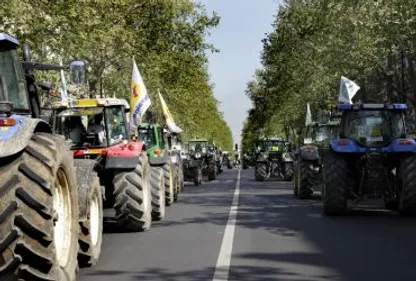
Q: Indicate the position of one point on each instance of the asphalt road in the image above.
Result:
(276, 237)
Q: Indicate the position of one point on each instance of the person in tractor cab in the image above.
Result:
(275, 148)
(75, 129)
(96, 127)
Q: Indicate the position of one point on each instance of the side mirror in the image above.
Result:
(78, 72)
(307, 141)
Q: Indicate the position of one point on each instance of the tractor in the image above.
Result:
(273, 159)
(308, 164)
(156, 146)
(177, 154)
(372, 160)
(96, 130)
(207, 159)
(227, 159)
(38, 183)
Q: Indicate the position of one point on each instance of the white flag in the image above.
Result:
(308, 115)
(139, 98)
(347, 90)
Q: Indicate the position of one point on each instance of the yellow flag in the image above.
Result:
(168, 117)
(139, 98)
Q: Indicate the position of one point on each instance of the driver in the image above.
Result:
(97, 128)
(75, 129)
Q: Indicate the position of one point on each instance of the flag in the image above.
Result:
(139, 99)
(168, 117)
(347, 90)
(64, 89)
(308, 115)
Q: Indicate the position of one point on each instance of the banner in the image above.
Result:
(139, 98)
(168, 117)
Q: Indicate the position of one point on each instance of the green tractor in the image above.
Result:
(176, 152)
(164, 179)
(273, 159)
(308, 164)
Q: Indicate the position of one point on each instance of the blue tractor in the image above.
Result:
(38, 185)
(373, 158)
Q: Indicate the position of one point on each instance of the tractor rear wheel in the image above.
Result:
(305, 190)
(39, 212)
(169, 184)
(335, 174)
(133, 199)
(158, 194)
(260, 172)
(211, 169)
(407, 194)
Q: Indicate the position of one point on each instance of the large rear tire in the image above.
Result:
(407, 194)
(169, 184)
(260, 172)
(335, 174)
(133, 199)
(91, 225)
(212, 174)
(158, 194)
(39, 212)
(288, 171)
(305, 189)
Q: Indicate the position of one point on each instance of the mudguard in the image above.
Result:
(156, 161)
(123, 156)
(14, 139)
(287, 158)
(396, 146)
(309, 153)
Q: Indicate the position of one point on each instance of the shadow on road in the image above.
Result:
(362, 245)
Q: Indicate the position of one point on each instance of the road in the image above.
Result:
(276, 237)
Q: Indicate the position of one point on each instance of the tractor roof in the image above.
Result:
(8, 42)
(78, 103)
(372, 106)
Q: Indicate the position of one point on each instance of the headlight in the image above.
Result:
(204, 150)
(198, 155)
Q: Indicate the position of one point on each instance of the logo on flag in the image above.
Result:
(168, 116)
(139, 99)
(347, 90)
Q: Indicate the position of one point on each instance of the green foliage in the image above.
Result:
(166, 38)
(315, 42)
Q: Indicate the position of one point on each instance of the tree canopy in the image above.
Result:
(314, 43)
(166, 38)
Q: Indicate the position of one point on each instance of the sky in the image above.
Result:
(238, 37)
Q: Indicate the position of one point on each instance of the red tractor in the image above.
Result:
(97, 129)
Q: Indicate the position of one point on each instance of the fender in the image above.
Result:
(156, 161)
(124, 155)
(311, 153)
(14, 139)
(85, 169)
(395, 146)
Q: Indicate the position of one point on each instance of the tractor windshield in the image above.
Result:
(198, 145)
(325, 133)
(146, 134)
(275, 146)
(12, 83)
(373, 127)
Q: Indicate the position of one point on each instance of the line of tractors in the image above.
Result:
(61, 166)
(356, 155)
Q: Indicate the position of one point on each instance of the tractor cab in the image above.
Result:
(373, 128)
(321, 133)
(154, 138)
(198, 146)
(91, 123)
(13, 92)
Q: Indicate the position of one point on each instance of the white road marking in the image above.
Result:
(224, 258)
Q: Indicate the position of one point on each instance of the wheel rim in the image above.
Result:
(94, 219)
(62, 207)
